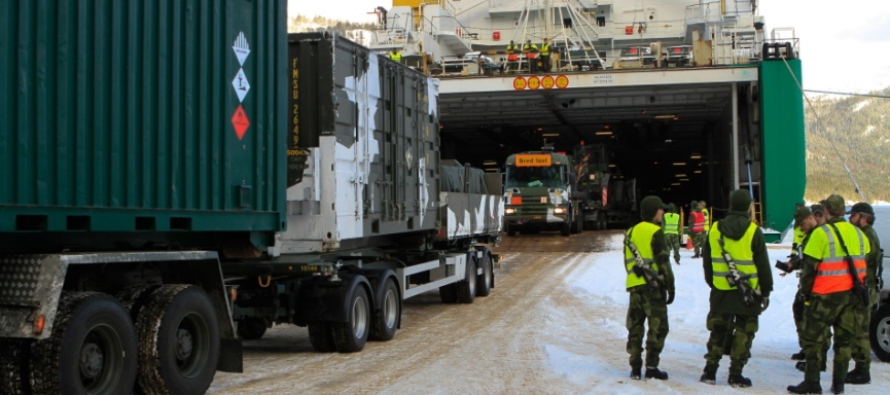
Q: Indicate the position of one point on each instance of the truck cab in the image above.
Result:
(537, 193)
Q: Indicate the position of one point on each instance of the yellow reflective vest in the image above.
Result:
(833, 273)
(396, 57)
(707, 215)
(671, 224)
(739, 251)
(545, 50)
(641, 236)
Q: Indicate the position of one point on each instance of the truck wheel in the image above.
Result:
(511, 230)
(566, 229)
(448, 293)
(92, 349)
(178, 341)
(578, 225)
(466, 288)
(252, 328)
(879, 333)
(13, 369)
(387, 319)
(485, 280)
(322, 337)
(351, 336)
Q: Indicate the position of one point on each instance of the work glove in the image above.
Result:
(670, 298)
(764, 304)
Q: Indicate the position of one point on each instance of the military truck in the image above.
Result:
(538, 192)
(879, 330)
(604, 198)
(172, 200)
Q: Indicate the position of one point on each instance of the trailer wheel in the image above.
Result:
(351, 336)
(13, 366)
(485, 281)
(466, 288)
(92, 349)
(448, 293)
(322, 337)
(879, 333)
(178, 341)
(387, 319)
(252, 328)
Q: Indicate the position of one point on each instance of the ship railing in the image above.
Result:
(449, 26)
(716, 11)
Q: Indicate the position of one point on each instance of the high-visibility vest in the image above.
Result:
(832, 273)
(528, 49)
(641, 236)
(671, 224)
(511, 48)
(798, 238)
(741, 254)
(396, 57)
(698, 222)
(510, 55)
(707, 215)
(545, 49)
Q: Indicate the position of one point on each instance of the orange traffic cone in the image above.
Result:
(689, 242)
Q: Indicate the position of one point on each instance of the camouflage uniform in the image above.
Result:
(646, 302)
(673, 242)
(837, 310)
(861, 352)
(731, 322)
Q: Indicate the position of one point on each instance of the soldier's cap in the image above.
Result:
(835, 204)
(801, 214)
(649, 206)
(817, 208)
(862, 208)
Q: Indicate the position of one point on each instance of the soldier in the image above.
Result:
(707, 214)
(651, 287)
(735, 307)
(862, 216)
(672, 230)
(530, 50)
(696, 227)
(826, 282)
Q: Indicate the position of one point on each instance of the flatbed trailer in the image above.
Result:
(170, 195)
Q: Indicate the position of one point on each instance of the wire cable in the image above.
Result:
(848, 94)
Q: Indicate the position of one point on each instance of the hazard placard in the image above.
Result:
(534, 83)
(519, 83)
(562, 81)
(240, 122)
(547, 82)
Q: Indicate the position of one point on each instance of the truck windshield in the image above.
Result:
(528, 177)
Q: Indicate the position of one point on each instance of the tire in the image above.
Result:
(322, 337)
(879, 332)
(351, 336)
(511, 230)
(448, 293)
(252, 328)
(579, 223)
(178, 341)
(466, 288)
(386, 321)
(485, 281)
(13, 366)
(92, 349)
(566, 229)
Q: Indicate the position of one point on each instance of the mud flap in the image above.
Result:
(230, 356)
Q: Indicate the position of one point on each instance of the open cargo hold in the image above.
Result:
(373, 124)
(134, 116)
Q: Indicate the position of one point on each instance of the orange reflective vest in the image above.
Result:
(698, 222)
(832, 273)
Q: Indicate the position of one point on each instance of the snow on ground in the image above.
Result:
(770, 368)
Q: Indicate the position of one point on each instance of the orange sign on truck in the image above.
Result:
(532, 160)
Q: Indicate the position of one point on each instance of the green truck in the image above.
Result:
(538, 193)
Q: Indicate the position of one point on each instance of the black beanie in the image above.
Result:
(649, 207)
(740, 200)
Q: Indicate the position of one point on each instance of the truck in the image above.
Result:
(879, 328)
(538, 192)
(165, 195)
(604, 197)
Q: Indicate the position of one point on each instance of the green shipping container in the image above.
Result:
(150, 116)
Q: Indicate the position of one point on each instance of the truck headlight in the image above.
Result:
(509, 210)
(559, 210)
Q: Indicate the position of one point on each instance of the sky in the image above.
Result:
(845, 45)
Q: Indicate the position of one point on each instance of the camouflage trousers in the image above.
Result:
(836, 311)
(646, 304)
(698, 241)
(862, 346)
(797, 311)
(735, 330)
(674, 244)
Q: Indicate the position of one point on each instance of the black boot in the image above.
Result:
(857, 376)
(708, 377)
(837, 386)
(737, 380)
(806, 387)
(654, 373)
(635, 373)
(798, 356)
